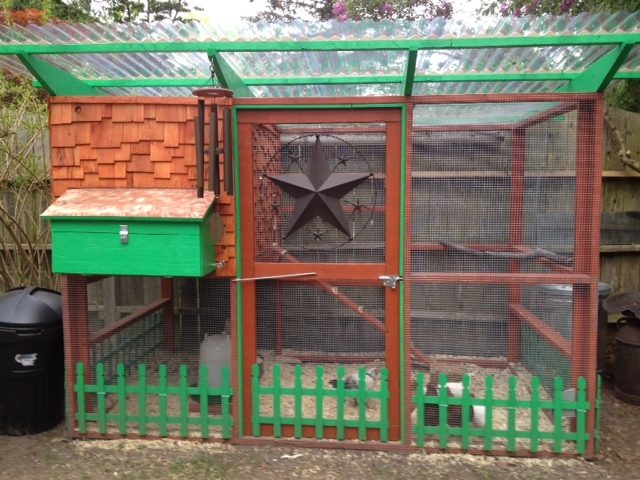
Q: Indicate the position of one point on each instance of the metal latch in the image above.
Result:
(124, 233)
(390, 280)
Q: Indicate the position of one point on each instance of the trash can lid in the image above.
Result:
(29, 306)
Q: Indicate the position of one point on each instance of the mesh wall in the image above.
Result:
(311, 324)
(462, 189)
(492, 192)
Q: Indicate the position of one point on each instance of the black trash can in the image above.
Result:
(31, 361)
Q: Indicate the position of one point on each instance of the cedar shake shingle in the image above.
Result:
(105, 143)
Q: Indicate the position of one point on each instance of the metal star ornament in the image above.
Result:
(317, 192)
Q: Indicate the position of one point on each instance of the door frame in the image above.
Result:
(394, 117)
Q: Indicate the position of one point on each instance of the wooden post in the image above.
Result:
(589, 156)
(515, 238)
(75, 325)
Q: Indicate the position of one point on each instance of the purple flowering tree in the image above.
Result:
(519, 8)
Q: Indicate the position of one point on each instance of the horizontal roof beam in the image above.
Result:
(201, 82)
(322, 45)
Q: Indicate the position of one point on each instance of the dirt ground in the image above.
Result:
(51, 455)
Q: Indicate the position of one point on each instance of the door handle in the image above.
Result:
(390, 280)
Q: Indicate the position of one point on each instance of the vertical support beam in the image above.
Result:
(406, 386)
(516, 237)
(409, 73)
(589, 157)
(246, 269)
(75, 326)
(392, 267)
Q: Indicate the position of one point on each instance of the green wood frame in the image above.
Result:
(594, 78)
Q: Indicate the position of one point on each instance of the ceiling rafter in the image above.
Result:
(227, 76)
(598, 75)
(56, 81)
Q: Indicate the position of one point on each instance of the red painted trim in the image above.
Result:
(500, 278)
(516, 236)
(127, 321)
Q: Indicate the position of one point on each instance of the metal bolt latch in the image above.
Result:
(390, 280)
(124, 233)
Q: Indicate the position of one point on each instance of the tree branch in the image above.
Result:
(535, 253)
(623, 152)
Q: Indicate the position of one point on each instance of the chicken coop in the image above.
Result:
(348, 235)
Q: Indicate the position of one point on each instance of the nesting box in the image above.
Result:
(152, 232)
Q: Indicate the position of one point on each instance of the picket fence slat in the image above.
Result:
(319, 393)
(558, 407)
(95, 406)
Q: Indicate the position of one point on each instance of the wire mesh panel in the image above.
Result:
(486, 189)
(305, 325)
(495, 209)
(319, 192)
(151, 359)
(456, 321)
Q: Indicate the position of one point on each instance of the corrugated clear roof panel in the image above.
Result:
(308, 63)
(11, 64)
(461, 114)
(310, 91)
(148, 91)
(132, 65)
(508, 60)
(472, 88)
(243, 31)
(340, 72)
(632, 63)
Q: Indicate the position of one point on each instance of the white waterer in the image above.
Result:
(215, 353)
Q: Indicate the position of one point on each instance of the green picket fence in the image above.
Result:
(108, 405)
(554, 409)
(320, 393)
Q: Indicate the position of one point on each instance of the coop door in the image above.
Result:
(320, 226)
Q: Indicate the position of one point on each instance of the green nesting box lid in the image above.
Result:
(134, 231)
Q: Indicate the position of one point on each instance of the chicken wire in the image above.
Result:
(309, 319)
(308, 324)
(114, 322)
(494, 192)
(287, 150)
(464, 196)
